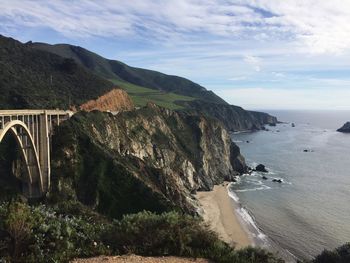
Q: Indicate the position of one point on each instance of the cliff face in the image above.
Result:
(99, 158)
(233, 117)
(263, 118)
(114, 100)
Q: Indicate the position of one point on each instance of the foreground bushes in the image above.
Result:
(174, 234)
(40, 234)
(58, 234)
(339, 255)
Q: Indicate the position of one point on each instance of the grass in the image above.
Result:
(141, 96)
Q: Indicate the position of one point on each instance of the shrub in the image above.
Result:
(147, 233)
(339, 255)
(171, 233)
(18, 224)
(68, 230)
(47, 235)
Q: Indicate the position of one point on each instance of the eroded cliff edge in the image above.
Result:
(152, 158)
(234, 118)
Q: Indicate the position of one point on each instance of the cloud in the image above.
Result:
(313, 26)
(253, 61)
(261, 98)
(224, 45)
(238, 78)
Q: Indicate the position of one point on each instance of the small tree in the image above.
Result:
(18, 225)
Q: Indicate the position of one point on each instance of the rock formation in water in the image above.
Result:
(345, 128)
(261, 168)
(152, 158)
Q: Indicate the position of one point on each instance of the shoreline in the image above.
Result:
(219, 212)
(234, 223)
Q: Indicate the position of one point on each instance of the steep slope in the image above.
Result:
(233, 117)
(113, 69)
(32, 78)
(151, 158)
(114, 100)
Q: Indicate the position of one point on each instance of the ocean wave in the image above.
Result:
(232, 195)
(263, 187)
(249, 220)
(246, 217)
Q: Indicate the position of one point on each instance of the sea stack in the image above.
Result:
(261, 168)
(345, 128)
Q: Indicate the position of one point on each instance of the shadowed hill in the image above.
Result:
(113, 69)
(32, 78)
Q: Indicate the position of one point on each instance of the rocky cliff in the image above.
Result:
(151, 158)
(233, 117)
(114, 100)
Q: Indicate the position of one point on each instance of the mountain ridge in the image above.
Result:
(39, 75)
(111, 69)
(233, 117)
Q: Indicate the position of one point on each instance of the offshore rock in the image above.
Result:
(261, 168)
(345, 128)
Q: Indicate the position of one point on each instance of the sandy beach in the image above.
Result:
(219, 213)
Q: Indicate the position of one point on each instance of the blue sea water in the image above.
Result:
(310, 210)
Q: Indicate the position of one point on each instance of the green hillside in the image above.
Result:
(141, 96)
(112, 69)
(32, 78)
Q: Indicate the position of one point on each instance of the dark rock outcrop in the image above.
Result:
(277, 180)
(261, 168)
(345, 128)
(101, 159)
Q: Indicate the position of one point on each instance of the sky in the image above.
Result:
(259, 54)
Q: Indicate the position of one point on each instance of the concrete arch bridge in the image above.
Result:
(32, 130)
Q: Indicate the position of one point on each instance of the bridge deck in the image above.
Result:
(35, 112)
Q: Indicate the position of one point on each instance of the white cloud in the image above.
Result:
(315, 26)
(261, 98)
(221, 44)
(238, 78)
(253, 61)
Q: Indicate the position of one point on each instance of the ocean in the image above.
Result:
(310, 210)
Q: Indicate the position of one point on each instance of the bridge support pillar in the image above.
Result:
(44, 150)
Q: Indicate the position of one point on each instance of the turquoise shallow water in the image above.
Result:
(310, 210)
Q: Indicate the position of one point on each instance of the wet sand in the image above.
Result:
(219, 212)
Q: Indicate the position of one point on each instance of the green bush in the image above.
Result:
(40, 234)
(69, 230)
(339, 255)
(18, 224)
(171, 233)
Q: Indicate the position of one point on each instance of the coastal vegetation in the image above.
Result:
(338, 255)
(61, 232)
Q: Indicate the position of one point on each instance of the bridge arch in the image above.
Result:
(28, 152)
